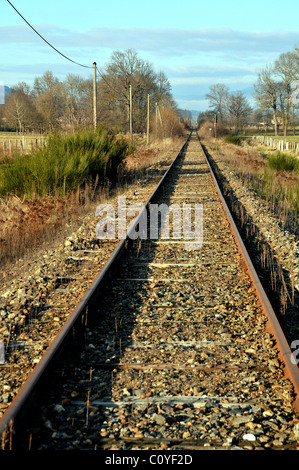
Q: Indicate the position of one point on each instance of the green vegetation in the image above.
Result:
(280, 161)
(284, 198)
(232, 139)
(65, 164)
(274, 176)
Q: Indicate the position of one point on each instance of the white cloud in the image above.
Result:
(161, 40)
(192, 59)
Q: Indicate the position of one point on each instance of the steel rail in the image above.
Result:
(16, 410)
(273, 327)
(27, 392)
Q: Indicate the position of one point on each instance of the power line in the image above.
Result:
(63, 55)
(106, 81)
(81, 65)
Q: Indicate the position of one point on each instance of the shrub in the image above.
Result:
(65, 164)
(233, 139)
(280, 161)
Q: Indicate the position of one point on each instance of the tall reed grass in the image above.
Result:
(65, 164)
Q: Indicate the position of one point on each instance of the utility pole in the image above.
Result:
(156, 120)
(94, 95)
(148, 119)
(161, 122)
(131, 120)
(216, 126)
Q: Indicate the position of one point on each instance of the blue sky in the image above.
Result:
(195, 43)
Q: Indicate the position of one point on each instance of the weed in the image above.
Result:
(65, 164)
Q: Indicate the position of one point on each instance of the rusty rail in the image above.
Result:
(273, 327)
(15, 412)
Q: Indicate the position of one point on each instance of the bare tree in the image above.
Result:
(78, 102)
(49, 98)
(125, 85)
(218, 99)
(287, 69)
(127, 73)
(20, 111)
(266, 93)
(239, 111)
(162, 94)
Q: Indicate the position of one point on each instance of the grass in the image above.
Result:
(283, 196)
(280, 161)
(65, 164)
(273, 175)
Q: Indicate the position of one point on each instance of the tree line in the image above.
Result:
(274, 93)
(51, 104)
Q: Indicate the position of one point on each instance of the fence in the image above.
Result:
(21, 145)
(278, 144)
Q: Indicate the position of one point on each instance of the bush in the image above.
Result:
(65, 164)
(233, 139)
(280, 161)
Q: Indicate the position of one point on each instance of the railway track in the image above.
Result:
(172, 348)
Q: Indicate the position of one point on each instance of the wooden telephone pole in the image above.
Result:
(148, 119)
(131, 113)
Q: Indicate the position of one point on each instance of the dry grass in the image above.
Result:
(280, 189)
(27, 223)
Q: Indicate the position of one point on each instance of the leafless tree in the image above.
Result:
(20, 111)
(266, 93)
(68, 104)
(239, 111)
(49, 98)
(125, 71)
(78, 102)
(286, 67)
(218, 100)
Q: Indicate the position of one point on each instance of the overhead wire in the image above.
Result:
(45, 40)
(63, 55)
(107, 83)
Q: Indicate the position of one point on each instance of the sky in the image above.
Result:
(196, 44)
